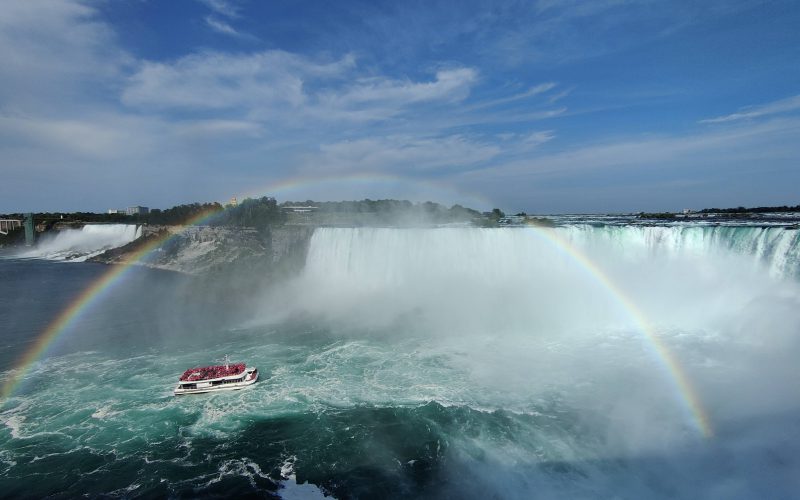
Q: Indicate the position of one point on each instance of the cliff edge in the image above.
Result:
(203, 250)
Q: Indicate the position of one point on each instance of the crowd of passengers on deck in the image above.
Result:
(210, 372)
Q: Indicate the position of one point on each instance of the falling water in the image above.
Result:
(81, 244)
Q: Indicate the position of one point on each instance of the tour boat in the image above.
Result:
(227, 377)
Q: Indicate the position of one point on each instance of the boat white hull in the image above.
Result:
(250, 379)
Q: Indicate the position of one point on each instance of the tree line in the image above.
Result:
(389, 208)
(753, 210)
(259, 213)
(262, 213)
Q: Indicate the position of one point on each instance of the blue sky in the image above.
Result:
(549, 106)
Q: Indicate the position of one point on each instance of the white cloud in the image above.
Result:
(222, 7)
(221, 26)
(449, 85)
(776, 107)
(274, 84)
(558, 96)
(535, 139)
(219, 81)
(61, 67)
(50, 49)
(222, 13)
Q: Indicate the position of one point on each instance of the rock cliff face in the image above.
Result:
(289, 246)
(202, 250)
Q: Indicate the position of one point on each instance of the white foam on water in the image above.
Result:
(104, 412)
(126, 491)
(240, 467)
(14, 424)
(48, 455)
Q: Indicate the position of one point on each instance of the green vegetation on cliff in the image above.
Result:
(259, 213)
(385, 212)
(656, 215)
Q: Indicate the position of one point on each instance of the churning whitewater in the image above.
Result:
(426, 363)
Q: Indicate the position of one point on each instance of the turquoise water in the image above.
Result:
(382, 380)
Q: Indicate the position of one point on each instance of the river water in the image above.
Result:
(595, 361)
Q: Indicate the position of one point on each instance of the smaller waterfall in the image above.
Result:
(80, 244)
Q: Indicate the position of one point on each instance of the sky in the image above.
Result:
(548, 106)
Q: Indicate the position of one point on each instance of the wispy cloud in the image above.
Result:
(533, 91)
(554, 98)
(402, 153)
(533, 140)
(776, 107)
(224, 8)
(222, 27)
(691, 153)
(448, 85)
(419, 155)
(222, 13)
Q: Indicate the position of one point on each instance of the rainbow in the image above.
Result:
(92, 294)
(686, 393)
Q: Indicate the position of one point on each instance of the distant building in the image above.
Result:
(512, 220)
(234, 202)
(137, 211)
(300, 209)
(113, 211)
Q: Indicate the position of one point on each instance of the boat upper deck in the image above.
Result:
(212, 372)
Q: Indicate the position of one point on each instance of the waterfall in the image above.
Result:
(493, 255)
(81, 244)
(517, 277)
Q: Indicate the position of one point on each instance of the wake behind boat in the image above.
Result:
(227, 377)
